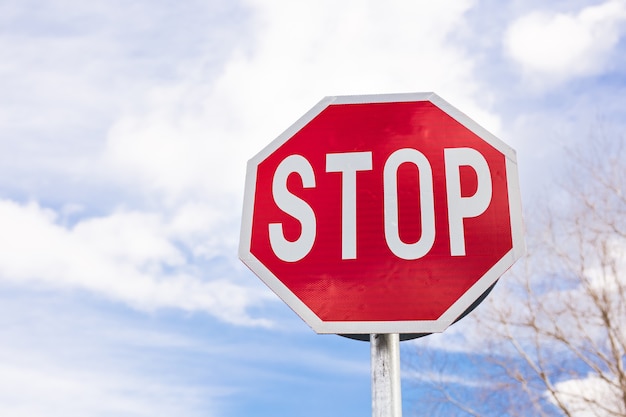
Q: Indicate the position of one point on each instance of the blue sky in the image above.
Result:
(124, 132)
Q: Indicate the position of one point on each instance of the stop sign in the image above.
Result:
(382, 214)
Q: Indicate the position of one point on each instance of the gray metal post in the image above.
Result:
(386, 392)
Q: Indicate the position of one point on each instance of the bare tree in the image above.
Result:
(556, 331)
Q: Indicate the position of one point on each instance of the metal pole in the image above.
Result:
(386, 393)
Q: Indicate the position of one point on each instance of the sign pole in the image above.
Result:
(386, 393)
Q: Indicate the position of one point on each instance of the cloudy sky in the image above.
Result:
(124, 132)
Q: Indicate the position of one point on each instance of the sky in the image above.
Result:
(125, 128)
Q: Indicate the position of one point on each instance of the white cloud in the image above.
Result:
(62, 358)
(181, 144)
(127, 256)
(590, 397)
(555, 47)
(31, 390)
(68, 69)
(196, 134)
(440, 378)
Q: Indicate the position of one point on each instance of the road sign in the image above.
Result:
(382, 214)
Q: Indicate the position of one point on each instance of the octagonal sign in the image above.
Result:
(382, 214)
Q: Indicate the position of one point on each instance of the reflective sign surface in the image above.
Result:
(385, 212)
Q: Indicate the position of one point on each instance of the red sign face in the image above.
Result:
(382, 214)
